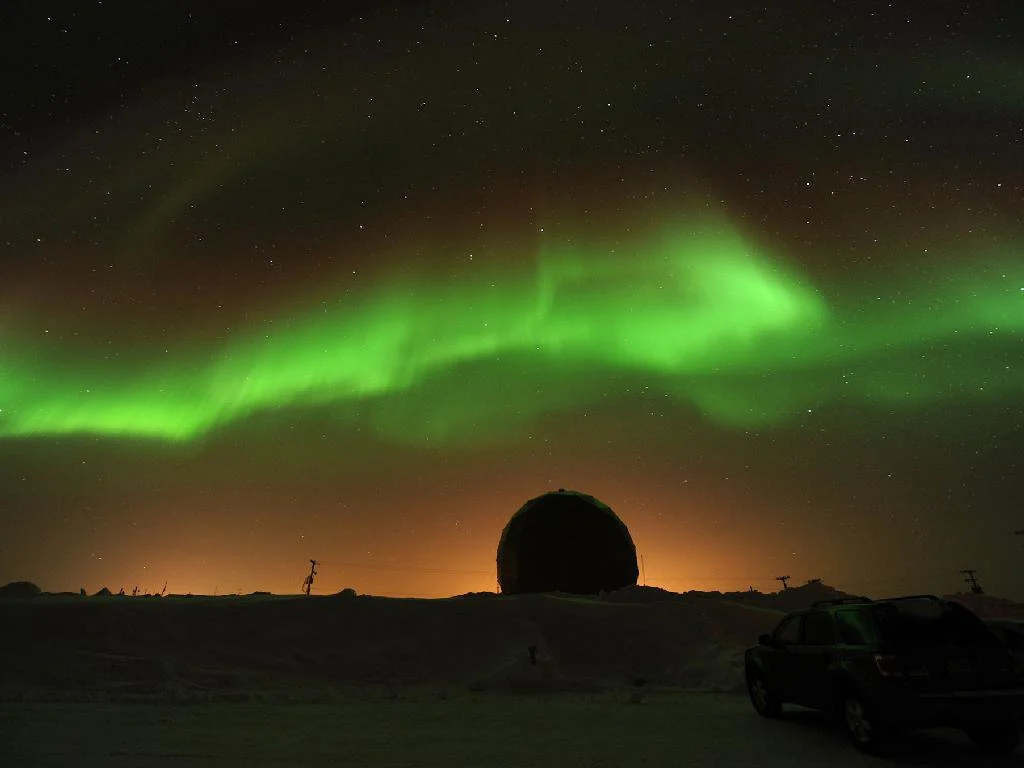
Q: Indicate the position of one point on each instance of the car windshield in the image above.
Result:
(929, 623)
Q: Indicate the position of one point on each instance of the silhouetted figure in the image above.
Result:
(565, 542)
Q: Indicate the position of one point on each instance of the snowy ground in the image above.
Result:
(378, 727)
(640, 677)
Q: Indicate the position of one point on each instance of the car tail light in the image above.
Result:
(890, 666)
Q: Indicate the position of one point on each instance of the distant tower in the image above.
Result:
(972, 581)
(783, 579)
(307, 584)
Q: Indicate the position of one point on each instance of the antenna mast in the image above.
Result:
(307, 584)
(972, 581)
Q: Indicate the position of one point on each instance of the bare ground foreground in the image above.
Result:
(427, 728)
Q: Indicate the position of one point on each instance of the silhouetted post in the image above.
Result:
(164, 589)
(643, 573)
(784, 580)
(973, 581)
(308, 583)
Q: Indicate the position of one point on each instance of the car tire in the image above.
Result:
(862, 724)
(764, 698)
(999, 738)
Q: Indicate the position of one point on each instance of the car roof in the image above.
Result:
(853, 602)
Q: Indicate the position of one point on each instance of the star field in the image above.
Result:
(353, 282)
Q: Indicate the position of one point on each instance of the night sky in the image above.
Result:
(352, 281)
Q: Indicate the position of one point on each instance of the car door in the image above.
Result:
(778, 658)
(811, 659)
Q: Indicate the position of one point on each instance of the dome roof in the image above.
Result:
(565, 541)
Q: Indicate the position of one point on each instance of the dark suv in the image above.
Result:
(876, 664)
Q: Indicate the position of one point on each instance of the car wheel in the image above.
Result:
(764, 698)
(865, 729)
(998, 738)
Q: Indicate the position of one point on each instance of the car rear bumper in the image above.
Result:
(954, 707)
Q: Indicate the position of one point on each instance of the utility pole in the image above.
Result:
(308, 583)
(783, 579)
(972, 581)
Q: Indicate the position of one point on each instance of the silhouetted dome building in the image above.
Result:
(565, 541)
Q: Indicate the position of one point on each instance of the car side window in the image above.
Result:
(788, 631)
(854, 627)
(818, 629)
(1014, 638)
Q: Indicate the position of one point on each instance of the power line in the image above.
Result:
(412, 568)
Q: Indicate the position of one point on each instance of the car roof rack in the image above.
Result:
(842, 601)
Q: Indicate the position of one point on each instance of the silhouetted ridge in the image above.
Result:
(566, 541)
(20, 589)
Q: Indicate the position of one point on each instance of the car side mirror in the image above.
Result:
(764, 640)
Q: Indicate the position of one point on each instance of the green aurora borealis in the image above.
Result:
(702, 316)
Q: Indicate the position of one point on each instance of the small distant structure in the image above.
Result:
(307, 583)
(972, 580)
(784, 580)
(813, 581)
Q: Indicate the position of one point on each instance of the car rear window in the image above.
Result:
(855, 627)
(930, 623)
